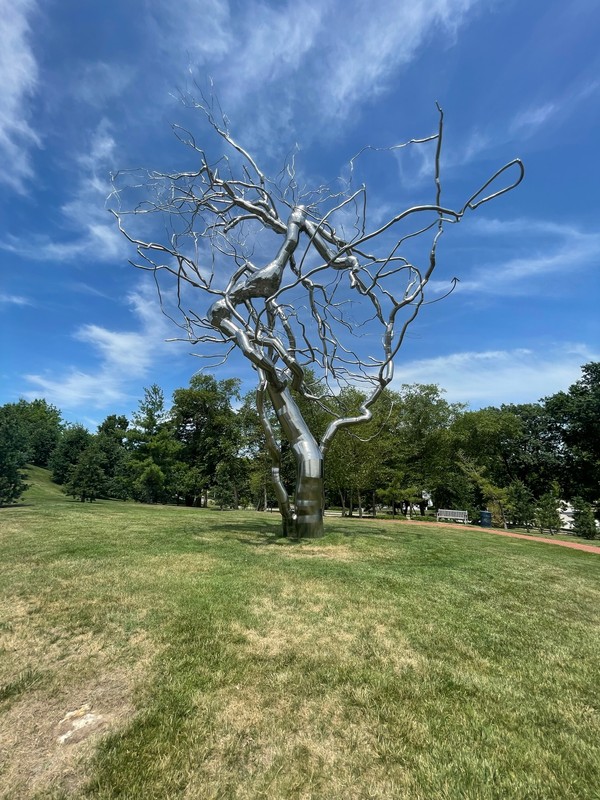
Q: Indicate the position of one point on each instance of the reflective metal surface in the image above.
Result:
(305, 310)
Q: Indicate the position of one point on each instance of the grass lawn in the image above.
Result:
(203, 657)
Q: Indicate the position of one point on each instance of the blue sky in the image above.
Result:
(90, 87)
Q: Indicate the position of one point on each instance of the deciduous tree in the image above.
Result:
(13, 454)
(576, 414)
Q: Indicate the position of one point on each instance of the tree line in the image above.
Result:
(517, 460)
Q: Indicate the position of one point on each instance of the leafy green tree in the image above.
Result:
(87, 480)
(151, 412)
(488, 438)
(43, 426)
(535, 454)
(150, 484)
(111, 438)
(13, 454)
(495, 497)
(419, 421)
(152, 441)
(392, 494)
(231, 485)
(187, 484)
(584, 522)
(547, 512)
(356, 465)
(398, 492)
(457, 491)
(575, 414)
(73, 441)
(206, 425)
(253, 449)
(165, 451)
(521, 504)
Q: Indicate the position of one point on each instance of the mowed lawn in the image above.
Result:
(159, 652)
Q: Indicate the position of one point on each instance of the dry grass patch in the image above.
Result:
(319, 739)
(424, 665)
(64, 687)
(318, 625)
(158, 569)
(337, 553)
(47, 736)
(288, 731)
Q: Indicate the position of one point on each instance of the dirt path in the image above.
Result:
(588, 548)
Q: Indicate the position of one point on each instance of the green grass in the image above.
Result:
(224, 662)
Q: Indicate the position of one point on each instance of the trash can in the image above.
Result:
(485, 519)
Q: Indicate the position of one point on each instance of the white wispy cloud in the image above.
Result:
(525, 251)
(19, 71)
(493, 377)
(118, 358)
(89, 230)
(98, 82)
(525, 123)
(188, 32)
(369, 46)
(540, 249)
(531, 118)
(14, 299)
(300, 67)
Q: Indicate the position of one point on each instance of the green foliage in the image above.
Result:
(187, 484)
(149, 486)
(488, 437)
(151, 412)
(495, 497)
(13, 454)
(111, 438)
(455, 490)
(206, 426)
(575, 415)
(73, 441)
(87, 479)
(399, 493)
(203, 445)
(42, 424)
(252, 448)
(547, 511)
(534, 456)
(584, 521)
(521, 505)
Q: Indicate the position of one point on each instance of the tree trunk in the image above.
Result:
(306, 521)
(343, 499)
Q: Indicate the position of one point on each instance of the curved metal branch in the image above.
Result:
(309, 305)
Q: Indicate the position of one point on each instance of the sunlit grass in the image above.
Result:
(381, 662)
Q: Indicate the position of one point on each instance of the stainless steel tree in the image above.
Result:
(295, 280)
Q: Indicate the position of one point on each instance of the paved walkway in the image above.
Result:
(588, 548)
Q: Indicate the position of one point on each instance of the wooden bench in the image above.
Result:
(455, 516)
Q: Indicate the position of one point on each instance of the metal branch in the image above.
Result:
(313, 300)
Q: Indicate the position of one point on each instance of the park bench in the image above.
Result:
(455, 516)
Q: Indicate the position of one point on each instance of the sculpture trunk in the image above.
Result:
(306, 522)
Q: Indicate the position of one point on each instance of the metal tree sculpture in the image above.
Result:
(301, 300)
